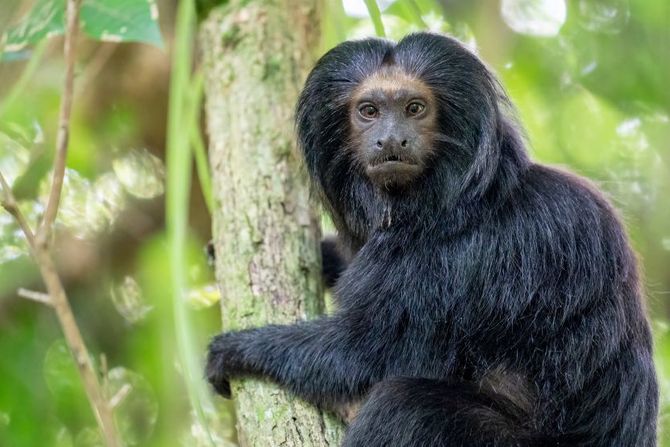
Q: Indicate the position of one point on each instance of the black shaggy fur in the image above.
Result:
(496, 302)
(332, 261)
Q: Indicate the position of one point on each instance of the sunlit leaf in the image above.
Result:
(13, 243)
(129, 300)
(45, 19)
(14, 161)
(141, 173)
(26, 185)
(203, 297)
(14, 158)
(106, 201)
(73, 210)
(121, 21)
(106, 20)
(87, 208)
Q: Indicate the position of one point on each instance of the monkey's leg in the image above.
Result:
(414, 412)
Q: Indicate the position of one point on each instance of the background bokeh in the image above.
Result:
(590, 81)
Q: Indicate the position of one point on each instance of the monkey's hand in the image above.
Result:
(223, 360)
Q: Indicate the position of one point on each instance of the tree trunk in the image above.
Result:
(256, 55)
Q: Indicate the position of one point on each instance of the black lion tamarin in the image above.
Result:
(484, 299)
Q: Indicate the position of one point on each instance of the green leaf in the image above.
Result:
(46, 19)
(408, 10)
(122, 21)
(105, 20)
(376, 16)
(179, 159)
(19, 87)
(194, 101)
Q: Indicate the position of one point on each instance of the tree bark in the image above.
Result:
(256, 54)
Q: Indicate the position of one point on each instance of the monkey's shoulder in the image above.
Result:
(554, 198)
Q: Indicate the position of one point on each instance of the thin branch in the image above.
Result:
(9, 203)
(61, 305)
(104, 370)
(121, 395)
(35, 296)
(51, 210)
(75, 341)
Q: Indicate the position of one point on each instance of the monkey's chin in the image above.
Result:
(393, 174)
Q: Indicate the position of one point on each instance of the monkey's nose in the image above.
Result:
(391, 143)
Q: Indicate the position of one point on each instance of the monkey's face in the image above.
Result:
(392, 118)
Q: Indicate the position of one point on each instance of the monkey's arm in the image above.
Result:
(325, 361)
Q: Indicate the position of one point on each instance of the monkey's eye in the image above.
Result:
(414, 108)
(368, 111)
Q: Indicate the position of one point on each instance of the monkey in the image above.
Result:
(484, 299)
(333, 261)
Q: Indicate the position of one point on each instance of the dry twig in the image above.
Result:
(9, 203)
(35, 296)
(63, 136)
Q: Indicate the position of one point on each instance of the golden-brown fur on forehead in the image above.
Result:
(392, 79)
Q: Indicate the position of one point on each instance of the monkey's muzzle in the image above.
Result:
(393, 169)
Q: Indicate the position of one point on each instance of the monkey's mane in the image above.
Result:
(480, 152)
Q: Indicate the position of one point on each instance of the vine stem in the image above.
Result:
(39, 242)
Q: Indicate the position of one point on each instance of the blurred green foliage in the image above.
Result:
(105, 20)
(587, 76)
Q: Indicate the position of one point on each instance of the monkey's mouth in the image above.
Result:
(393, 158)
(393, 169)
